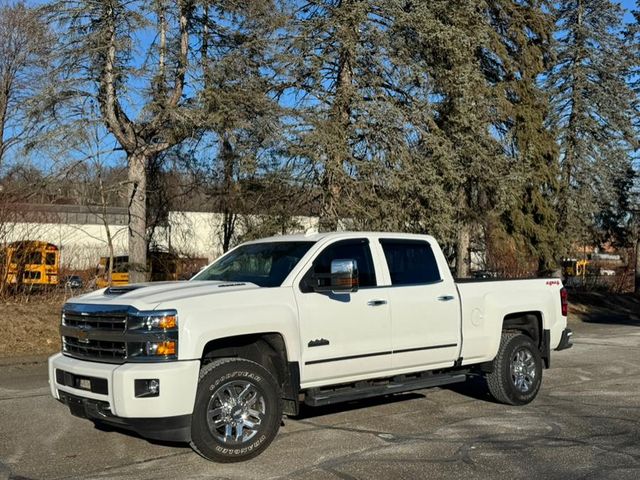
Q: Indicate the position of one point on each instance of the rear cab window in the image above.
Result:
(410, 262)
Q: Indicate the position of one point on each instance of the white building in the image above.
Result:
(81, 234)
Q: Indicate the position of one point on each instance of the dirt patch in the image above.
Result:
(605, 308)
(30, 328)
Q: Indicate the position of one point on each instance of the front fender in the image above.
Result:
(265, 310)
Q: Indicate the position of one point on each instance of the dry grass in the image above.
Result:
(31, 328)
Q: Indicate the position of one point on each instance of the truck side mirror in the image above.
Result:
(343, 277)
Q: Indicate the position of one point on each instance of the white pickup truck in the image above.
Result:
(315, 319)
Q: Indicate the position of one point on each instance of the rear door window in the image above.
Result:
(410, 262)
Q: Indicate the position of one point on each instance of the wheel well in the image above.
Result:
(266, 349)
(529, 323)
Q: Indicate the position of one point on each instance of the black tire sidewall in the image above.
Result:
(516, 396)
(203, 440)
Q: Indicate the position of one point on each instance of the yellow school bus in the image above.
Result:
(31, 262)
(119, 273)
(162, 266)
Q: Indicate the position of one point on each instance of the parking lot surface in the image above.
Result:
(585, 424)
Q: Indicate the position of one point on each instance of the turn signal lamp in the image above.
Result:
(166, 348)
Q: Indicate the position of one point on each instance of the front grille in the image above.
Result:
(111, 322)
(108, 351)
(95, 332)
(111, 334)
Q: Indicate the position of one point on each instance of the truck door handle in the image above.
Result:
(376, 303)
(446, 298)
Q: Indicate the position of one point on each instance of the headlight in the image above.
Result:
(154, 335)
(153, 321)
(164, 322)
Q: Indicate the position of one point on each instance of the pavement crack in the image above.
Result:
(116, 467)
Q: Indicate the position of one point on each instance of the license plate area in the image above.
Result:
(82, 382)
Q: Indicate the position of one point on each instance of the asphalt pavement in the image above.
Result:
(585, 424)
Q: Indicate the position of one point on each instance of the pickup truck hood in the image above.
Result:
(149, 295)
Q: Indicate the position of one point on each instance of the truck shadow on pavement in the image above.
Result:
(103, 427)
(475, 387)
(307, 412)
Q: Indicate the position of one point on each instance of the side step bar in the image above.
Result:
(316, 397)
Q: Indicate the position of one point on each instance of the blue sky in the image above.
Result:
(627, 4)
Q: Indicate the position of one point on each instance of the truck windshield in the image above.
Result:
(265, 264)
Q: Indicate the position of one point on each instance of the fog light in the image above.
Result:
(147, 387)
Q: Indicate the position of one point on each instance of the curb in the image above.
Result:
(5, 473)
(24, 360)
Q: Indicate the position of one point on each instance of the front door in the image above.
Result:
(344, 336)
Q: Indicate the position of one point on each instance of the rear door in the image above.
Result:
(425, 309)
(344, 336)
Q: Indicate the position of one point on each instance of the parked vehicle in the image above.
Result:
(73, 282)
(316, 319)
(30, 263)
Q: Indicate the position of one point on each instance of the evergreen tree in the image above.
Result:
(450, 37)
(633, 43)
(591, 111)
(356, 98)
(520, 54)
(238, 46)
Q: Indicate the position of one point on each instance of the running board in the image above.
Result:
(316, 397)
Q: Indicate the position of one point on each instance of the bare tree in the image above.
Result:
(95, 187)
(23, 46)
(141, 96)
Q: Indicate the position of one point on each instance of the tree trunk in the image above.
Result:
(637, 285)
(229, 197)
(340, 116)
(138, 218)
(330, 197)
(463, 243)
(228, 229)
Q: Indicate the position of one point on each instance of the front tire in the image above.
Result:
(237, 412)
(517, 370)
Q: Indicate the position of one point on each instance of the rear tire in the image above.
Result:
(517, 370)
(237, 412)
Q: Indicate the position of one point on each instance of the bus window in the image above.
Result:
(50, 258)
(32, 258)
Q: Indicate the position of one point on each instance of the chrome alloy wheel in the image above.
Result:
(523, 369)
(235, 412)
